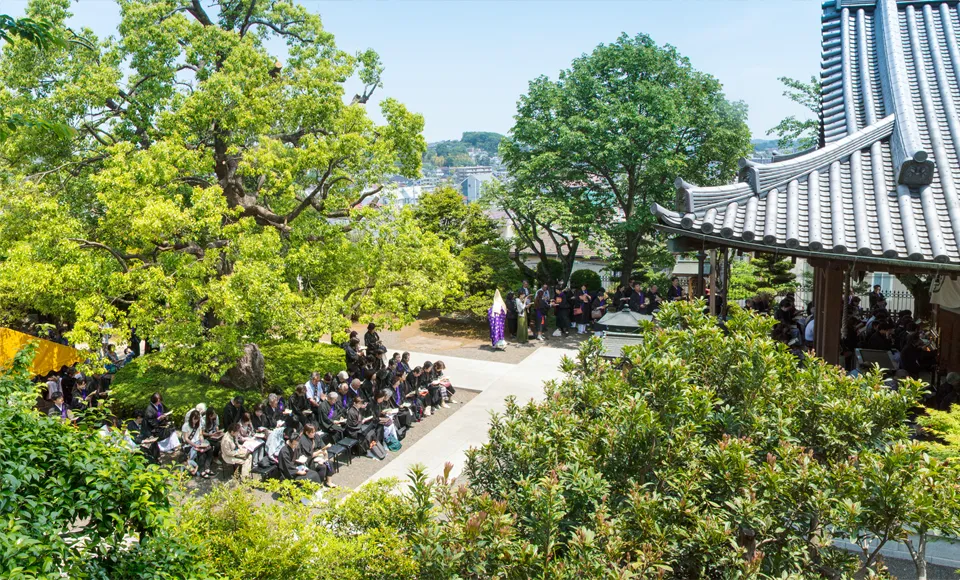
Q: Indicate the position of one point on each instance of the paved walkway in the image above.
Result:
(468, 426)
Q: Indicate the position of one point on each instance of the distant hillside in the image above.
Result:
(473, 148)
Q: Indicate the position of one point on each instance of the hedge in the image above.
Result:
(588, 277)
(288, 364)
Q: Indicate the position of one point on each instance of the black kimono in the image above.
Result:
(157, 427)
(307, 447)
(359, 430)
(326, 416)
(287, 461)
(563, 310)
(637, 302)
(271, 415)
(300, 406)
(231, 414)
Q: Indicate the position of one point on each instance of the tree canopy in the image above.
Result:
(616, 129)
(212, 195)
(794, 133)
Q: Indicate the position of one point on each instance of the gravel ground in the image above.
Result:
(465, 341)
(353, 475)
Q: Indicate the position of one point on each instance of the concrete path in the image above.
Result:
(468, 426)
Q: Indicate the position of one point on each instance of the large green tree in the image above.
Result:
(213, 194)
(618, 127)
(793, 133)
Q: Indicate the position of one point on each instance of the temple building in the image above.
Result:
(880, 192)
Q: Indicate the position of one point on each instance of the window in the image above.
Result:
(885, 281)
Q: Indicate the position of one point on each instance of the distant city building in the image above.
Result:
(472, 186)
(462, 172)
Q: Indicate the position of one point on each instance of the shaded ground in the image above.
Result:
(464, 340)
(904, 570)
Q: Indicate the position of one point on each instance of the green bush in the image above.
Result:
(290, 363)
(490, 268)
(240, 536)
(134, 383)
(944, 427)
(588, 277)
(287, 364)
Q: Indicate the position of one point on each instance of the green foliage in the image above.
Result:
(710, 453)
(136, 381)
(443, 212)
(242, 537)
(588, 277)
(213, 194)
(743, 280)
(456, 153)
(944, 427)
(73, 503)
(290, 363)
(486, 141)
(794, 133)
(490, 269)
(617, 126)
(549, 271)
(774, 274)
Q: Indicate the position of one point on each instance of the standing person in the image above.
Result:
(524, 291)
(876, 297)
(637, 299)
(653, 299)
(374, 345)
(675, 292)
(511, 303)
(522, 303)
(599, 306)
(581, 312)
(54, 387)
(541, 306)
(497, 316)
(563, 308)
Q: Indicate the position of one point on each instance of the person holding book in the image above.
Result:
(312, 447)
(200, 453)
(291, 463)
(232, 453)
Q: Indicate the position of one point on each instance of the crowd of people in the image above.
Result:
(365, 409)
(578, 309)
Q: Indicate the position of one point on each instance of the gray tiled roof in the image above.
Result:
(884, 183)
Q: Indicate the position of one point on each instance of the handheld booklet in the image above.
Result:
(252, 445)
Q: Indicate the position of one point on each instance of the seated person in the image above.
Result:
(232, 453)
(274, 411)
(83, 396)
(158, 424)
(211, 430)
(200, 452)
(360, 427)
(446, 389)
(287, 460)
(314, 449)
(330, 418)
(300, 406)
(60, 409)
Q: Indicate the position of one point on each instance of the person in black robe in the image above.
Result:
(674, 292)
(434, 396)
(511, 303)
(310, 446)
(233, 411)
(273, 412)
(637, 300)
(287, 460)
(882, 339)
(300, 406)
(345, 401)
(329, 416)
(358, 426)
(259, 418)
(653, 300)
(582, 303)
(374, 346)
(398, 398)
(563, 307)
(157, 418)
(368, 387)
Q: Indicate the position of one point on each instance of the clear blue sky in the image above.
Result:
(463, 64)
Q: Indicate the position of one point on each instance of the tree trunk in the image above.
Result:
(248, 373)
(921, 559)
(568, 262)
(628, 257)
(919, 287)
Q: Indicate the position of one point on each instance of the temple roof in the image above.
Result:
(884, 182)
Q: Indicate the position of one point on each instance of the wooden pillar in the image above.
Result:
(713, 282)
(701, 256)
(828, 307)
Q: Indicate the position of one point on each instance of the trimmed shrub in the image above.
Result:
(588, 277)
(134, 383)
(287, 365)
(290, 363)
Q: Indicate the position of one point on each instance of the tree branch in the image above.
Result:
(198, 12)
(121, 258)
(246, 18)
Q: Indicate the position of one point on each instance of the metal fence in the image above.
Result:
(896, 301)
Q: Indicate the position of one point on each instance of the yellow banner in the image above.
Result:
(50, 355)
